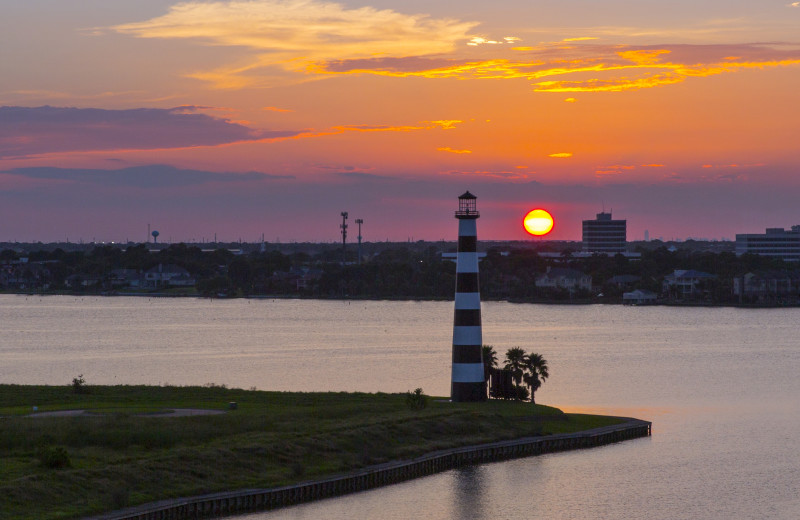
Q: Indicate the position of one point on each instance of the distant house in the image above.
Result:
(767, 285)
(624, 281)
(639, 297)
(169, 275)
(77, 281)
(22, 275)
(564, 278)
(685, 282)
(126, 278)
(300, 277)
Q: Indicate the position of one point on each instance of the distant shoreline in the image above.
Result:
(431, 299)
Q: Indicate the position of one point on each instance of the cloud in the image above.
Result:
(561, 155)
(597, 68)
(488, 174)
(451, 150)
(276, 109)
(150, 176)
(288, 33)
(614, 169)
(479, 40)
(302, 40)
(30, 131)
(570, 100)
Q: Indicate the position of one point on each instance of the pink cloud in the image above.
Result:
(31, 131)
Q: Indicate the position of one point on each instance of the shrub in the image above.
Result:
(523, 394)
(79, 385)
(416, 400)
(54, 457)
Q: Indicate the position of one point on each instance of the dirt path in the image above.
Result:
(173, 412)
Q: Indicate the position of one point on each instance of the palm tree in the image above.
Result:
(515, 362)
(536, 372)
(489, 360)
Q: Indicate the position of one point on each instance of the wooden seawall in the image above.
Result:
(249, 500)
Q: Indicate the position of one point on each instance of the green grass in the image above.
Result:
(273, 438)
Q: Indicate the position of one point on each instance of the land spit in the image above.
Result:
(249, 500)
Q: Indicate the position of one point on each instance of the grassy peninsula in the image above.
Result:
(129, 449)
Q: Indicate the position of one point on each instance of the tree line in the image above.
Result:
(396, 272)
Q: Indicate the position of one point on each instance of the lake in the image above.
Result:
(721, 386)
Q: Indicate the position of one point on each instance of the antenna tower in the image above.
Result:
(344, 237)
(359, 221)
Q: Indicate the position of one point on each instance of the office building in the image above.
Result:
(777, 242)
(605, 235)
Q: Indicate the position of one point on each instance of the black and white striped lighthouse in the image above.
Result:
(467, 380)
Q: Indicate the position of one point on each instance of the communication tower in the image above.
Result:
(359, 221)
(344, 237)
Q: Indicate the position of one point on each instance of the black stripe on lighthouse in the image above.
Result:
(467, 318)
(467, 382)
(468, 244)
(466, 282)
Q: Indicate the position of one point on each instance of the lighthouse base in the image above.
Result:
(467, 392)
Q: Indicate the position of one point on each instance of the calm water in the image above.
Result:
(720, 385)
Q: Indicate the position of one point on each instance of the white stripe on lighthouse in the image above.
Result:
(467, 262)
(467, 372)
(467, 228)
(470, 300)
(467, 336)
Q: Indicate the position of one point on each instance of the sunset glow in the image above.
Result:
(538, 222)
(251, 117)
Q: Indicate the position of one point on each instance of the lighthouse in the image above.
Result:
(467, 383)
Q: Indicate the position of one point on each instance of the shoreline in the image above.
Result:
(286, 444)
(483, 299)
(254, 500)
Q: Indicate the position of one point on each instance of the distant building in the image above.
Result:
(126, 278)
(605, 235)
(168, 275)
(563, 278)
(767, 285)
(639, 297)
(685, 282)
(624, 281)
(776, 242)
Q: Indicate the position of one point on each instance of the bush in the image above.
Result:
(416, 400)
(79, 385)
(54, 457)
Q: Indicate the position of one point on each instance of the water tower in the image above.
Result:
(467, 383)
(155, 236)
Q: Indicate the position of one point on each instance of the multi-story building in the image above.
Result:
(776, 242)
(605, 235)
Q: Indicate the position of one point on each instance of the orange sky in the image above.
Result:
(673, 115)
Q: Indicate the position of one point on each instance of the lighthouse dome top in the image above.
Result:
(467, 207)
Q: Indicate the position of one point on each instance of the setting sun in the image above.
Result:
(538, 222)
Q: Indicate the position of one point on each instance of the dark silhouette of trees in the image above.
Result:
(536, 373)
